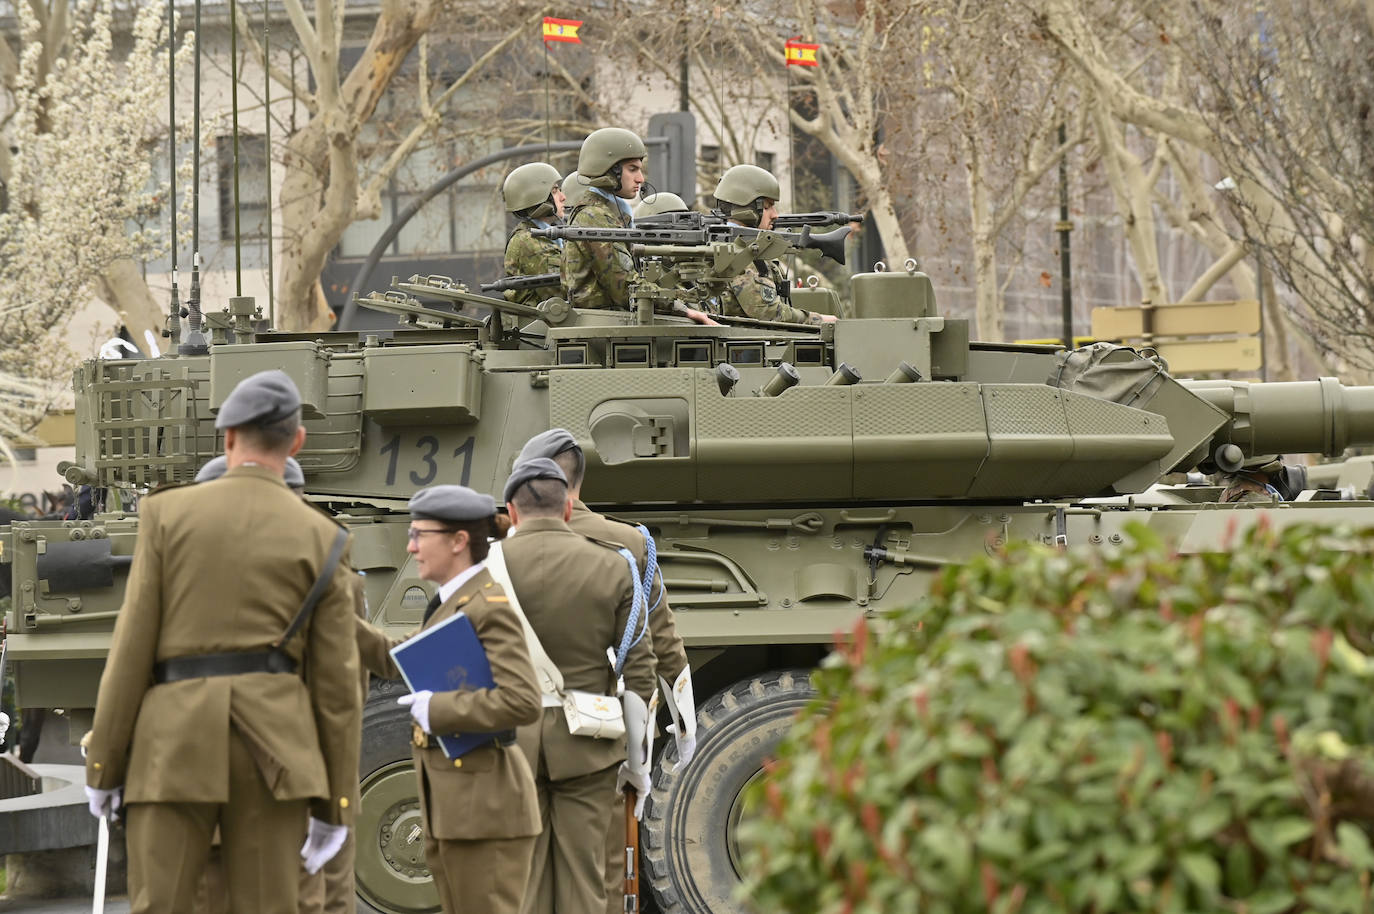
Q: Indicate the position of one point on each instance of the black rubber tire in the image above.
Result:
(386, 748)
(686, 854)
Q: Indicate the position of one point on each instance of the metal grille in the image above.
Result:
(146, 426)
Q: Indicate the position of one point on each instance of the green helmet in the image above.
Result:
(659, 202)
(743, 184)
(529, 186)
(574, 190)
(602, 150)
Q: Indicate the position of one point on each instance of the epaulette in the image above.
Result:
(167, 487)
(609, 544)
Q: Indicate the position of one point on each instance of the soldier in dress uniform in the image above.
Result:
(670, 656)
(748, 195)
(332, 890)
(610, 165)
(230, 697)
(533, 195)
(480, 811)
(578, 596)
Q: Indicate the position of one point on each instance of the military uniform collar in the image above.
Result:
(541, 524)
(619, 205)
(258, 471)
(457, 582)
(580, 507)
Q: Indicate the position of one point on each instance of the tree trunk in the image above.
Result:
(124, 289)
(988, 311)
(319, 193)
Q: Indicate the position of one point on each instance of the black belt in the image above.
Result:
(233, 663)
(499, 738)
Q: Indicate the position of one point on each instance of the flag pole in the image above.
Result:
(787, 114)
(548, 116)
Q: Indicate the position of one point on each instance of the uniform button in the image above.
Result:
(96, 765)
(343, 802)
(457, 763)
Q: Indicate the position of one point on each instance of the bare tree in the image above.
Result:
(1288, 90)
(1130, 61)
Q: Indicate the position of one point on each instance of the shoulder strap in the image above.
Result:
(317, 589)
(550, 676)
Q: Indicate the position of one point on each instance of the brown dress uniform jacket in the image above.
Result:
(670, 655)
(225, 566)
(568, 586)
(489, 792)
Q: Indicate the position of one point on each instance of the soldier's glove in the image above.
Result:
(634, 771)
(104, 802)
(683, 707)
(639, 781)
(4, 725)
(322, 842)
(418, 702)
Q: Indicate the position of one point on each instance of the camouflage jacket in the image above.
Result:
(527, 255)
(754, 293)
(597, 274)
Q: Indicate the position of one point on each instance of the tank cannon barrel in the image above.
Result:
(1290, 417)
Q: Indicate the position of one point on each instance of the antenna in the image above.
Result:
(267, 141)
(172, 329)
(234, 117)
(195, 340)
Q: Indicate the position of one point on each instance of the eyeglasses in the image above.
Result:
(414, 534)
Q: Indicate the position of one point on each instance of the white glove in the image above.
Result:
(634, 771)
(322, 842)
(104, 802)
(418, 702)
(637, 779)
(4, 725)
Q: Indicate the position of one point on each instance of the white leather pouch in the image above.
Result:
(594, 715)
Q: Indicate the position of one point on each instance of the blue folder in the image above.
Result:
(447, 657)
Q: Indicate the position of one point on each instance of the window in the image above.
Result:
(252, 174)
(766, 160)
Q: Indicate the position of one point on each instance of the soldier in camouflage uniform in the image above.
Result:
(574, 194)
(610, 166)
(532, 193)
(748, 195)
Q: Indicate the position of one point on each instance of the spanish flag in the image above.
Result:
(800, 54)
(561, 30)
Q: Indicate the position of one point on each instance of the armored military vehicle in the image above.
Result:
(795, 478)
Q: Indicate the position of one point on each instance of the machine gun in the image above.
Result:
(694, 219)
(651, 241)
(521, 283)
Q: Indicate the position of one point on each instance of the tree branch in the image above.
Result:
(281, 78)
(431, 112)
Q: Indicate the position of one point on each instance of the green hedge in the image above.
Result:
(1073, 732)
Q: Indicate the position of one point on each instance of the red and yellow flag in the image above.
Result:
(800, 54)
(561, 30)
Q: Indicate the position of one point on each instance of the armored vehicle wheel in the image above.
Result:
(390, 869)
(691, 850)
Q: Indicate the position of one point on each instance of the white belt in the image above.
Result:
(550, 701)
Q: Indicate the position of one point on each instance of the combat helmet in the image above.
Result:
(603, 150)
(574, 190)
(659, 202)
(527, 190)
(742, 190)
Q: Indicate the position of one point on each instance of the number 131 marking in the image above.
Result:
(428, 447)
